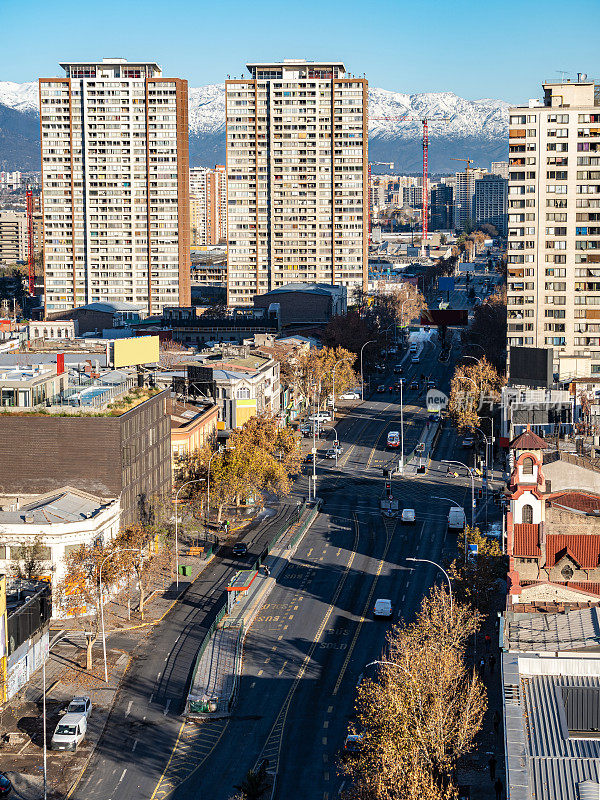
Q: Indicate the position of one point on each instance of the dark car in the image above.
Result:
(414, 386)
(381, 388)
(5, 785)
(398, 369)
(240, 549)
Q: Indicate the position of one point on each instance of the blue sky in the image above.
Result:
(476, 49)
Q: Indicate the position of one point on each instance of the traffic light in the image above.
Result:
(479, 494)
(388, 487)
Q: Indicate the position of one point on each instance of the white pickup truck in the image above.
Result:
(456, 519)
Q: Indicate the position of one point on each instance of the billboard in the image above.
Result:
(445, 317)
(446, 284)
(133, 351)
(530, 366)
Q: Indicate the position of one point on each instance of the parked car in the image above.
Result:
(350, 396)
(352, 744)
(322, 416)
(332, 453)
(468, 441)
(306, 429)
(5, 785)
(240, 549)
(80, 705)
(69, 732)
(408, 515)
(381, 388)
(382, 608)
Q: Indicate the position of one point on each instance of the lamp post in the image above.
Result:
(183, 485)
(110, 555)
(339, 361)
(362, 380)
(487, 447)
(435, 564)
(401, 427)
(219, 449)
(470, 473)
(44, 724)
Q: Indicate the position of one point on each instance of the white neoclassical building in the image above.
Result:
(62, 520)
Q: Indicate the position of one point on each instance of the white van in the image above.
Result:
(456, 519)
(69, 732)
(412, 348)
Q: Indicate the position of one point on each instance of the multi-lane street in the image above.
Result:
(313, 636)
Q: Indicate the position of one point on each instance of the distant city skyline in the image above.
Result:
(508, 48)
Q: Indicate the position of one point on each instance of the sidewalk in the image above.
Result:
(22, 719)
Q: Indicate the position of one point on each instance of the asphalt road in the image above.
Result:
(311, 640)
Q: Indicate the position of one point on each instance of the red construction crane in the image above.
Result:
(425, 121)
(30, 259)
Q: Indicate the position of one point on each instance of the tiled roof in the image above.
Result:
(578, 501)
(585, 549)
(528, 441)
(526, 540)
(593, 587)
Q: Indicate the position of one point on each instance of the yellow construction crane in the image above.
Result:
(468, 162)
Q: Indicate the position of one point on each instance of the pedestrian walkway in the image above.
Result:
(213, 683)
(426, 444)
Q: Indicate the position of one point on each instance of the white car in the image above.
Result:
(80, 705)
(408, 515)
(383, 608)
(322, 416)
(69, 732)
(350, 396)
(415, 360)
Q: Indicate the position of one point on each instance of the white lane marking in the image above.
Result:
(134, 745)
(129, 704)
(122, 775)
(166, 711)
(150, 701)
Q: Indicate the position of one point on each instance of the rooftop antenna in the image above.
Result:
(563, 72)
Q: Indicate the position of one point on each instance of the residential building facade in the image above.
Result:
(115, 186)
(490, 202)
(14, 243)
(442, 207)
(208, 206)
(464, 190)
(554, 225)
(500, 168)
(297, 177)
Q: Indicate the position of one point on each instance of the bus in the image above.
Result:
(393, 439)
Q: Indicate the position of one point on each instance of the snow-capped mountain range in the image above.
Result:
(476, 129)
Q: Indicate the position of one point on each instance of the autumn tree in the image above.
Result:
(78, 594)
(397, 308)
(31, 560)
(474, 385)
(476, 578)
(423, 711)
(134, 548)
(315, 370)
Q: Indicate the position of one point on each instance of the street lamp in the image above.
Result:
(435, 564)
(339, 361)
(362, 380)
(187, 483)
(470, 473)
(114, 552)
(401, 427)
(219, 449)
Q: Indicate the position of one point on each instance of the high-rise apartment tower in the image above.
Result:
(554, 226)
(297, 178)
(115, 186)
(208, 205)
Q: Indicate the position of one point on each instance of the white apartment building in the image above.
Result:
(554, 226)
(297, 178)
(208, 206)
(14, 242)
(115, 186)
(464, 190)
(500, 168)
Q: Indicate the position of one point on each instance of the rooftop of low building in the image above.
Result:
(61, 506)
